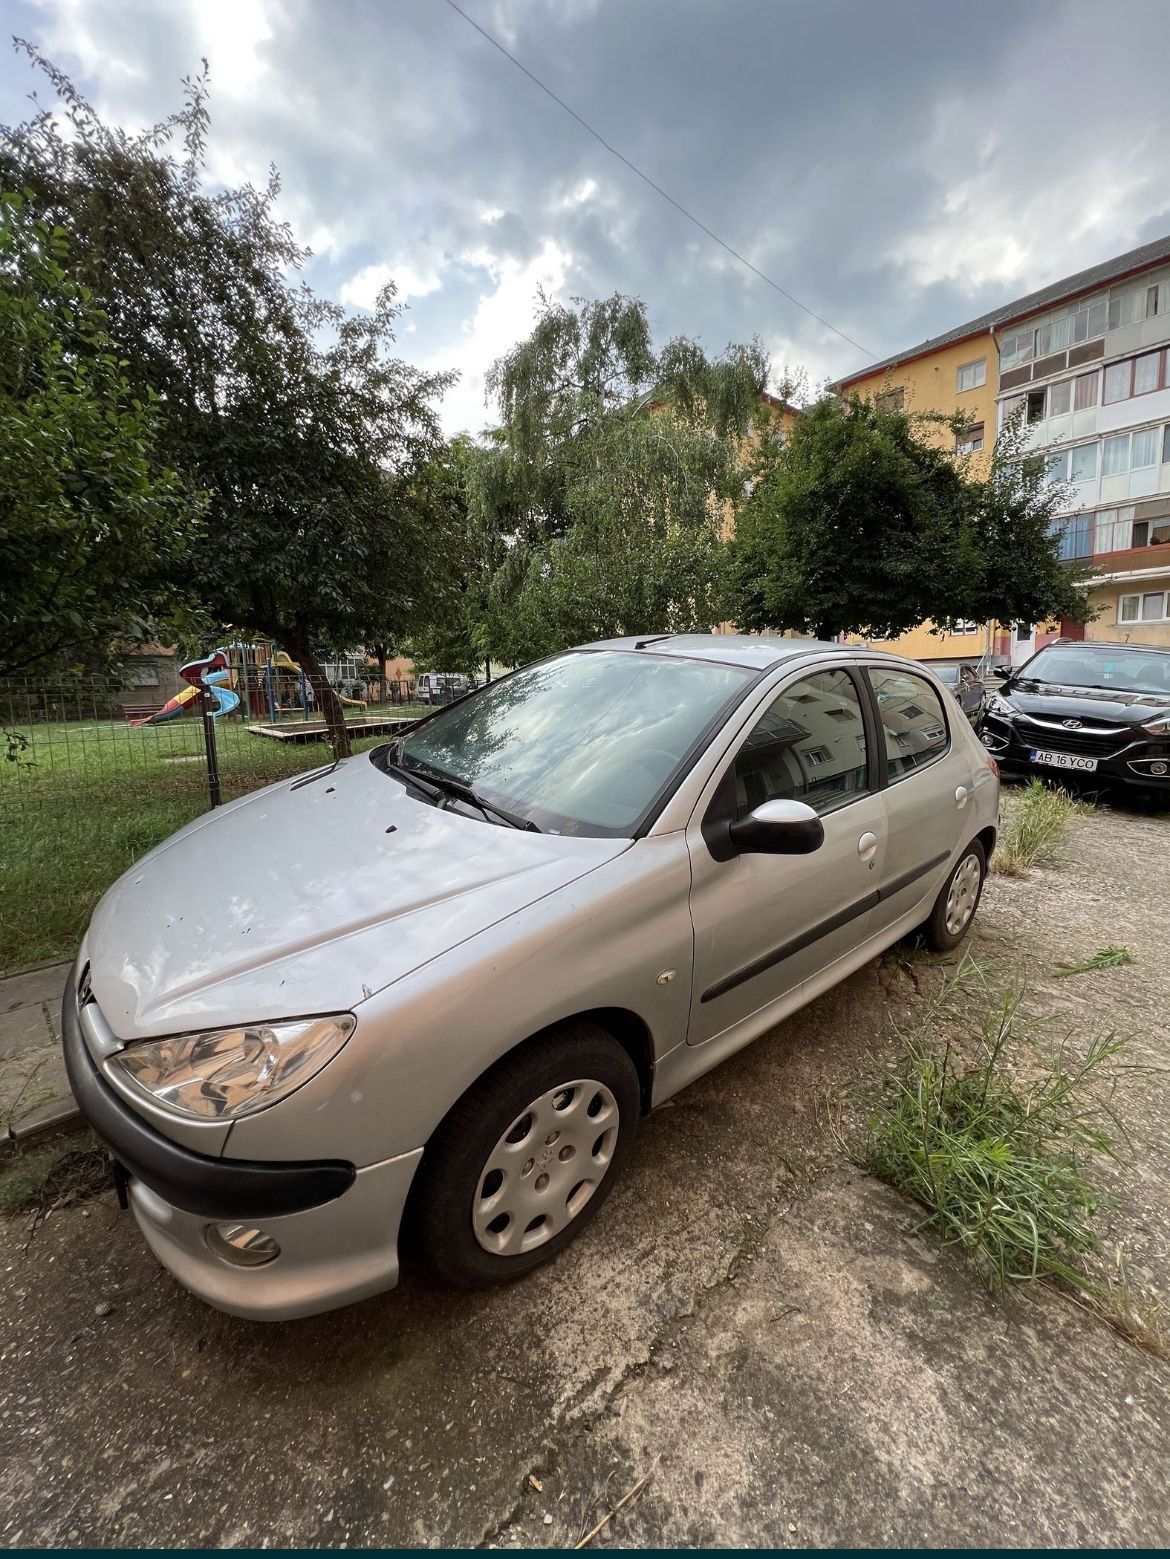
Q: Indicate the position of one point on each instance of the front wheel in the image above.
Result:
(527, 1156)
(957, 901)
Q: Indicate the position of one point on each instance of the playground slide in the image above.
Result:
(208, 678)
(283, 662)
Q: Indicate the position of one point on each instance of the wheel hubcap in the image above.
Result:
(545, 1167)
(964, 891)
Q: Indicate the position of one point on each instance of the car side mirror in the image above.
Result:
(778, 828)
(1002, 671)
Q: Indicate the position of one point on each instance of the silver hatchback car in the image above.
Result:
(440, 983)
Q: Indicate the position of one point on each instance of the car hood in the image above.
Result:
(1102, 706)
(309, 897)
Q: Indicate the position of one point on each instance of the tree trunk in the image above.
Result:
(296, 642)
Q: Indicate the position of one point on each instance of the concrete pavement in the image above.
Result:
(34, 1094)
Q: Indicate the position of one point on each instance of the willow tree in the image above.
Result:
(610, 479)
(309, 437)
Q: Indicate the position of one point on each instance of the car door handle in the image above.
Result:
(960, 796)
(866, 846)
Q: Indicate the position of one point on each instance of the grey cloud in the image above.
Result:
(829, 141)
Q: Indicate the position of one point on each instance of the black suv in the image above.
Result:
(1090, 709)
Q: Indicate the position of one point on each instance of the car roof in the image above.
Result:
(1098, 645)
(756, 652)
(741, 649)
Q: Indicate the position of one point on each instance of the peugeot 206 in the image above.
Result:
(437, 985)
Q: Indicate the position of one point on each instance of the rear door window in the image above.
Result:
(913, 721)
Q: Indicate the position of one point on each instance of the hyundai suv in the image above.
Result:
(1101, 710)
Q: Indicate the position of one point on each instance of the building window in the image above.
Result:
(971, 375)
(1057, 468)
(1059, 397)
(1086, 392)
(1083, 463)
(1144, 450)
(1118, 379)
(1116, 456)
(1017, 349)
(1147, 372)
(1076, 537)
(1036, 401)
(1147, 608)
(1009, 408)
(1151, 533)
(964, 625)
(1166, 442)
(1114, 530)
(970, 442)
(1137, 303)
(891, 400)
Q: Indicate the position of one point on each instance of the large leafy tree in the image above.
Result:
(87, 511)
(601, 503)
(310, 438)
(858, 523)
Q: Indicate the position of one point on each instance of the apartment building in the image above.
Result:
(1086, 362)
(1090, 374)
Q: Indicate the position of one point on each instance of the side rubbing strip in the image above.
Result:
(904, 881)
(797, 944)
(786, 949)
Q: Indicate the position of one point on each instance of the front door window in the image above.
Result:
(809, 745)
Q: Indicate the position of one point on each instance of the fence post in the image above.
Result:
(212, 757)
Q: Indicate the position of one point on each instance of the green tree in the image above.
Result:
(600, 505)
(86, 508)
(859, 523)
(309, 436)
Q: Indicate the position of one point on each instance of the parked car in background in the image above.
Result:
(500, 941)
(442, 687)
(1094, 709)
(967, 686)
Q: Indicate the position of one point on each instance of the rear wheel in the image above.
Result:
(957, 901)
(527, 1156)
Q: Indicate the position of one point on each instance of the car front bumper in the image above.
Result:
(336, 1226)
(1143, 763)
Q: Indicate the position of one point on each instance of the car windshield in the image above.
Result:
(577, 745)
(948, 674)
(1128, 670)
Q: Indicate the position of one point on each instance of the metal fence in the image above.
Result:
(94, 744)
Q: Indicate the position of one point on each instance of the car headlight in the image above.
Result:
(1160, 724)
(999, 706)
(225, 1073)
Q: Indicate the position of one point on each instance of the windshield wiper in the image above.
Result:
(462, 791)
(421, 787)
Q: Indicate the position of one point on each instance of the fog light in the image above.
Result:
(241, 1244)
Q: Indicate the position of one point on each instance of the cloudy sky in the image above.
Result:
(897, 166)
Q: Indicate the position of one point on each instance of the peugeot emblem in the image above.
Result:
(1071, 725)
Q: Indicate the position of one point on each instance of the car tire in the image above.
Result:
(958, 899)
(477, 1224)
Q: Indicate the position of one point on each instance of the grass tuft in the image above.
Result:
(1103, 958)
(999, 1151)
(57, 1175)
(1035, 828)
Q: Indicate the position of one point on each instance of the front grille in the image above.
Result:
(1056, 738)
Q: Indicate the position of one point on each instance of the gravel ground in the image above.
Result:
(751, 1322)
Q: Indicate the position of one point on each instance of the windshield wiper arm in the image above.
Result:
(421, 787)
(462, 791)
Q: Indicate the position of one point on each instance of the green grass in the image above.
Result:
(87, 798)
(1104, 958)
(999, 1148)
(56, 1175)
(1035, 827)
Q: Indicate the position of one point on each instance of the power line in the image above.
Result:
(657, 188)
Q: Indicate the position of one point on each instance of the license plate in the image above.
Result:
(1063, 760)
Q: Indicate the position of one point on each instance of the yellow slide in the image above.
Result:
(282, 663)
